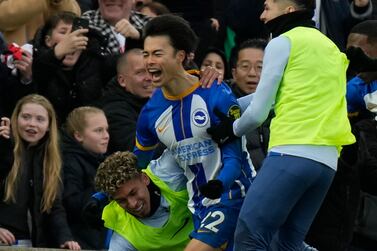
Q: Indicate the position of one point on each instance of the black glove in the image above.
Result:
(92, 211)
(359, 61)
(223, 132)
(212, 190)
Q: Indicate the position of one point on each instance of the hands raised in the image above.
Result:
(72, 42)
(24, 65)
(125, 28)
(5, 129)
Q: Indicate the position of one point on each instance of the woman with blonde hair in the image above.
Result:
(84, 144)
(31, 211)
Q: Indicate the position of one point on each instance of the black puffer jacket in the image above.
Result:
(80, 167)
(48, 229)
(77, 87)
(122, 111)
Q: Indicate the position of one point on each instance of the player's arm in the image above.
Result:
(231, 152)
(146, 141)
(257, 111)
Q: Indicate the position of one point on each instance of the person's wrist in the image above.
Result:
(58, 52)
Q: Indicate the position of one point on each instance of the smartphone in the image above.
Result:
(80, 23)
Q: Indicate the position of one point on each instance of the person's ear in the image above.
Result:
(290, 9)
(145, 179)
(78, 136)
(181, 56)
(48, 41)
(234, 73)
(121, 80)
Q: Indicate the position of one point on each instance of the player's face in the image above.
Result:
(162, 61)
(273, 9)
(133, 196)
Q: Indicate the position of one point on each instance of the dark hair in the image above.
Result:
(255, 43)
(157, 8)
(65, 16)
(367, 28)
(181, 36)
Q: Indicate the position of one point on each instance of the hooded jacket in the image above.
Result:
(80, 167)
(80, 86)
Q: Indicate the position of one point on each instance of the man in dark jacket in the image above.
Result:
(335, 18)
(123, 99)
(246, 74)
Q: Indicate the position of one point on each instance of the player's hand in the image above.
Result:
(208, 75)
(72, 245)
(212, 190)
(92, 211)
(125, 28)
(222, 132)
(5, 127)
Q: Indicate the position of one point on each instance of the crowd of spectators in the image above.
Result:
(76, 74)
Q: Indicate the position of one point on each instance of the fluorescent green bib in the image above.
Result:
(174, 235)
(310, 104)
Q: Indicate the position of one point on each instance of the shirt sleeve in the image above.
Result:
(167, 169)
(231, 152)
(117, 242)
(274, 62)
(146, 140)
(354, 96)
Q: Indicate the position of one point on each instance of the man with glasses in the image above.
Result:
(248, 67)
(246, 74)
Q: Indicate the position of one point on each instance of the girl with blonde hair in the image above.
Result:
(84, 144)
(30, 177)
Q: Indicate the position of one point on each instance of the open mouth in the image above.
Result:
(31, 131)
(155, 74)
(251, 83)
(139, 209)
